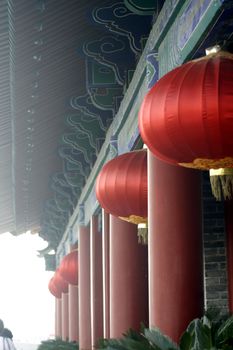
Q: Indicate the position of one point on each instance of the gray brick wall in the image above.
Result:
(215, 269)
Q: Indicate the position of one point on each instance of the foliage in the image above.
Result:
(57, 344)
(211, 332)
(131, 340)
(207, 333)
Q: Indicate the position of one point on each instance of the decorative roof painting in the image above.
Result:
(65, 66)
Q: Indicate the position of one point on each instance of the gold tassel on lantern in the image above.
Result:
(142, 227)
(143, 233)
(221, 181)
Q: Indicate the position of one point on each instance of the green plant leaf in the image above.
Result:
(201, 336)
(127, 343)
(111, 344)
(131, 340)
(197, 336)
(132, 334)
(185, 341)
(159, 340)
(191, 327)
(57, 344)
(206, 321)
(132, 344)
(225, 331)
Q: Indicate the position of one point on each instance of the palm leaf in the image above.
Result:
(159, 340)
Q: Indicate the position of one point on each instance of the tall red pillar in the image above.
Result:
(65, 316)
(84, 289)
(58, 318)
(229, 234)
(175, 246)
(73, 313)
(128, 278)
(105, 253)
(96, 283)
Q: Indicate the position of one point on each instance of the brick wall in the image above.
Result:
(215, 282)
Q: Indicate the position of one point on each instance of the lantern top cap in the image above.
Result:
(212, 49)
(220, 53)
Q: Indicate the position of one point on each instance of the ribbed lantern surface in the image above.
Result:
(54, 290)
(187, 117)
(121, 186)
(69, 267)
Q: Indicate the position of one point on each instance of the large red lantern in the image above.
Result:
(69, 267)
(187, 117)
(53, 289)
(121, 186)
(59, 282)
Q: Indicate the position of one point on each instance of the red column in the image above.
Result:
(73, 313)
(105, 252)
(56, 320)
(84, 289)
(96, 283)
(229, 234)
(128, 278)
(65, 316)
(58, 317)
(175, 247)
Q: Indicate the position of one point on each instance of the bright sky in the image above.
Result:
(26, 305)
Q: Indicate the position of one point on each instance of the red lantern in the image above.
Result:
(121, 186)
(59, 282)
(53, 289)
(187, 117)
(69, 267)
